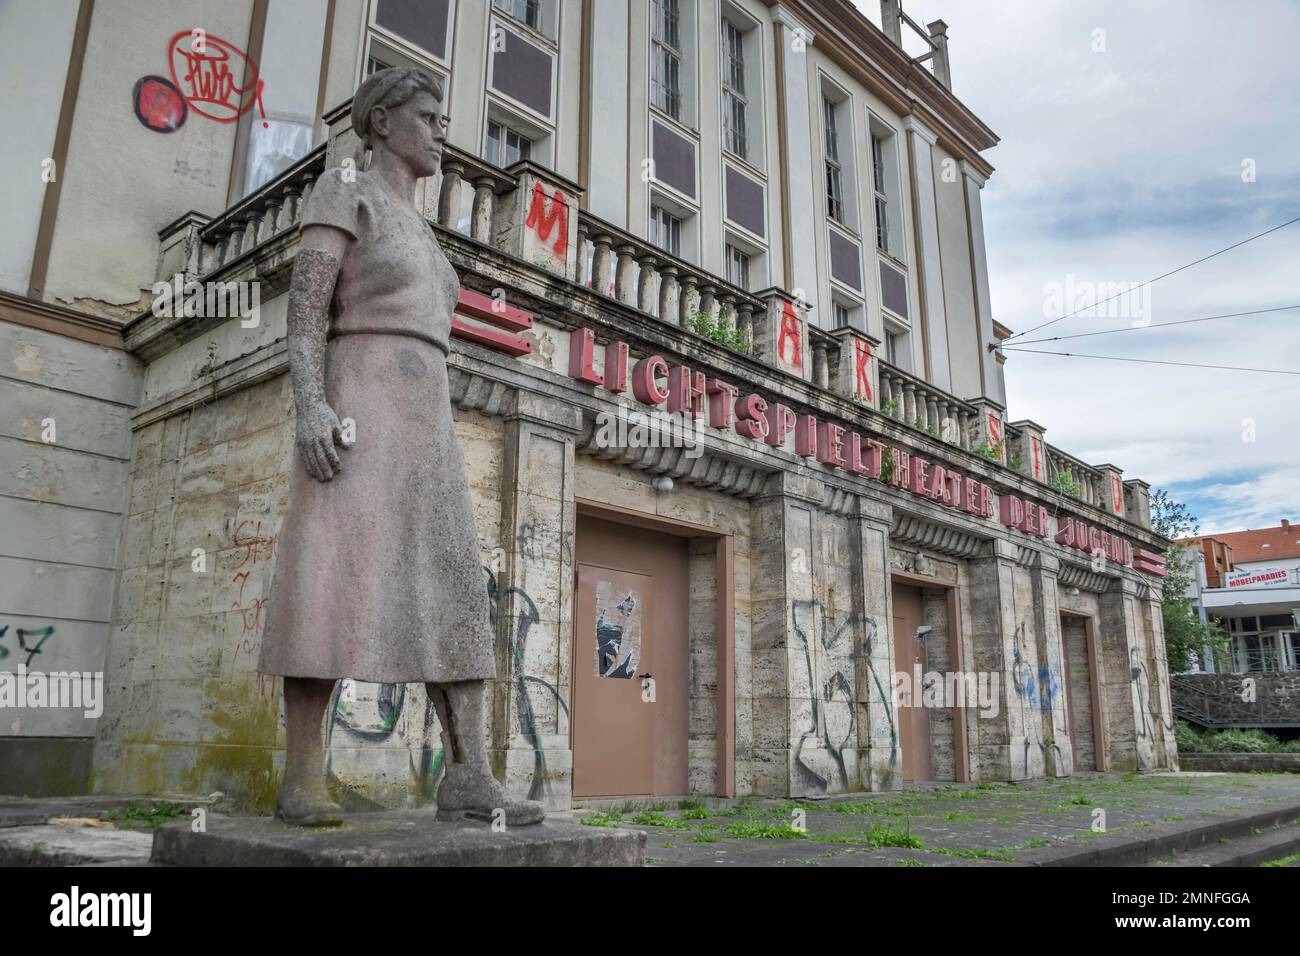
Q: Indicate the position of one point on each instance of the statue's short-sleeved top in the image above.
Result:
(397, 279)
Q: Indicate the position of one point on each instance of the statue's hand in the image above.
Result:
(319, 432)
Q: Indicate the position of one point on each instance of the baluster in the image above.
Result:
(645, 300)
(932, 412)
(669, 295)
(727, 312)
(583, 276)
(449, 194)
(625, 280)
(690, 297)
(909, 403)
(274, 214)
(602, 264)
(249, 240)
(480, 228)
(821, 374)
(292, 205)
(745, 326)
(708, 299)
(307, 182)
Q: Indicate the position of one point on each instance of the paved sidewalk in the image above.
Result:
(953, 825)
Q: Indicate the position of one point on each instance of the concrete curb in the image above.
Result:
(1127, 848)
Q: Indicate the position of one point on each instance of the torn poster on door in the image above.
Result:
(618, 630)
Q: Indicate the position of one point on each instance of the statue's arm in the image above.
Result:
(315, 271)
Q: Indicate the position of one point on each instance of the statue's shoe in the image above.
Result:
(308, 807)
(473, 793)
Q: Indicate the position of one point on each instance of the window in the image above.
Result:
(834, 183)
(666, 57)
(891, 347)
(525, 11)
(506, 146)
(841, 317)
(735, 138)
(882, 201)
(737, 267)
(665, 230)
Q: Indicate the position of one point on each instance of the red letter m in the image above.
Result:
(539, 221)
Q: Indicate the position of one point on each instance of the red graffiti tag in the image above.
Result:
(542, 222)
(207, 71)
(790, 331)
(862, 354)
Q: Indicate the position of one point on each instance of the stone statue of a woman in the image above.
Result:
(377, 577)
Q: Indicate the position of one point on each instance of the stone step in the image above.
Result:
(394, 838)
(53, 844)
(1249, 850)
(1137, 847)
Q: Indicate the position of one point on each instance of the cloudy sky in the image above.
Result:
(1115, 167)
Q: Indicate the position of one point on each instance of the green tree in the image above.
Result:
(1185, 635)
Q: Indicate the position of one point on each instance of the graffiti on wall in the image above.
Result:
(820, 751)
(542, 222)
(204, 73)
(27, 641)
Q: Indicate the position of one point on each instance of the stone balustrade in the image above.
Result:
(907, 399)
(195, 246)
(636, 273)
(631, 271)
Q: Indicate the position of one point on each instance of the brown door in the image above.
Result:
(909, 658)
(1078, 690)
(630, 694)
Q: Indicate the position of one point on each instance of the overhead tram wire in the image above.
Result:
(1166, 275)
(1119, 358)
(1156, 325)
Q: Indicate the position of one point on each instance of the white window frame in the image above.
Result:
(417, 54)
(735, 102)
(667, 50)
(664, 219)
(886, 172)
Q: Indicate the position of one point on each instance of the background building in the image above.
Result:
(770, 202)
(1249, 582)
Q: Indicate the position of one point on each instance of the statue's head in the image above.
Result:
(399, 110)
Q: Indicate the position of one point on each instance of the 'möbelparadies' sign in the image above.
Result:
(1258, 578)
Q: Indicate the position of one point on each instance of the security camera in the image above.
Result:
(923, 631)
(663, 484)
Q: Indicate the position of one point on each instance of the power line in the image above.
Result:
(1117, 358)
(1158, 325)
(1156, 279)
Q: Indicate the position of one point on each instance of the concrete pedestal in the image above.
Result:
(397, 838)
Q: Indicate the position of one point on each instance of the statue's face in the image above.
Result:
(417, 132)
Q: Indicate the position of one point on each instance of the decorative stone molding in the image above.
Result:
(709, 470)
(908, 529)
(1075, 576)
(478, 393)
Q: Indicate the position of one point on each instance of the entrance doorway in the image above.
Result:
(1078, 645)
(910, 658)
(629, 722)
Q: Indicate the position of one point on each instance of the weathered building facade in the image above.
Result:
(724, 374)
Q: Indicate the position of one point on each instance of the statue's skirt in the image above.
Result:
(377, 571)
